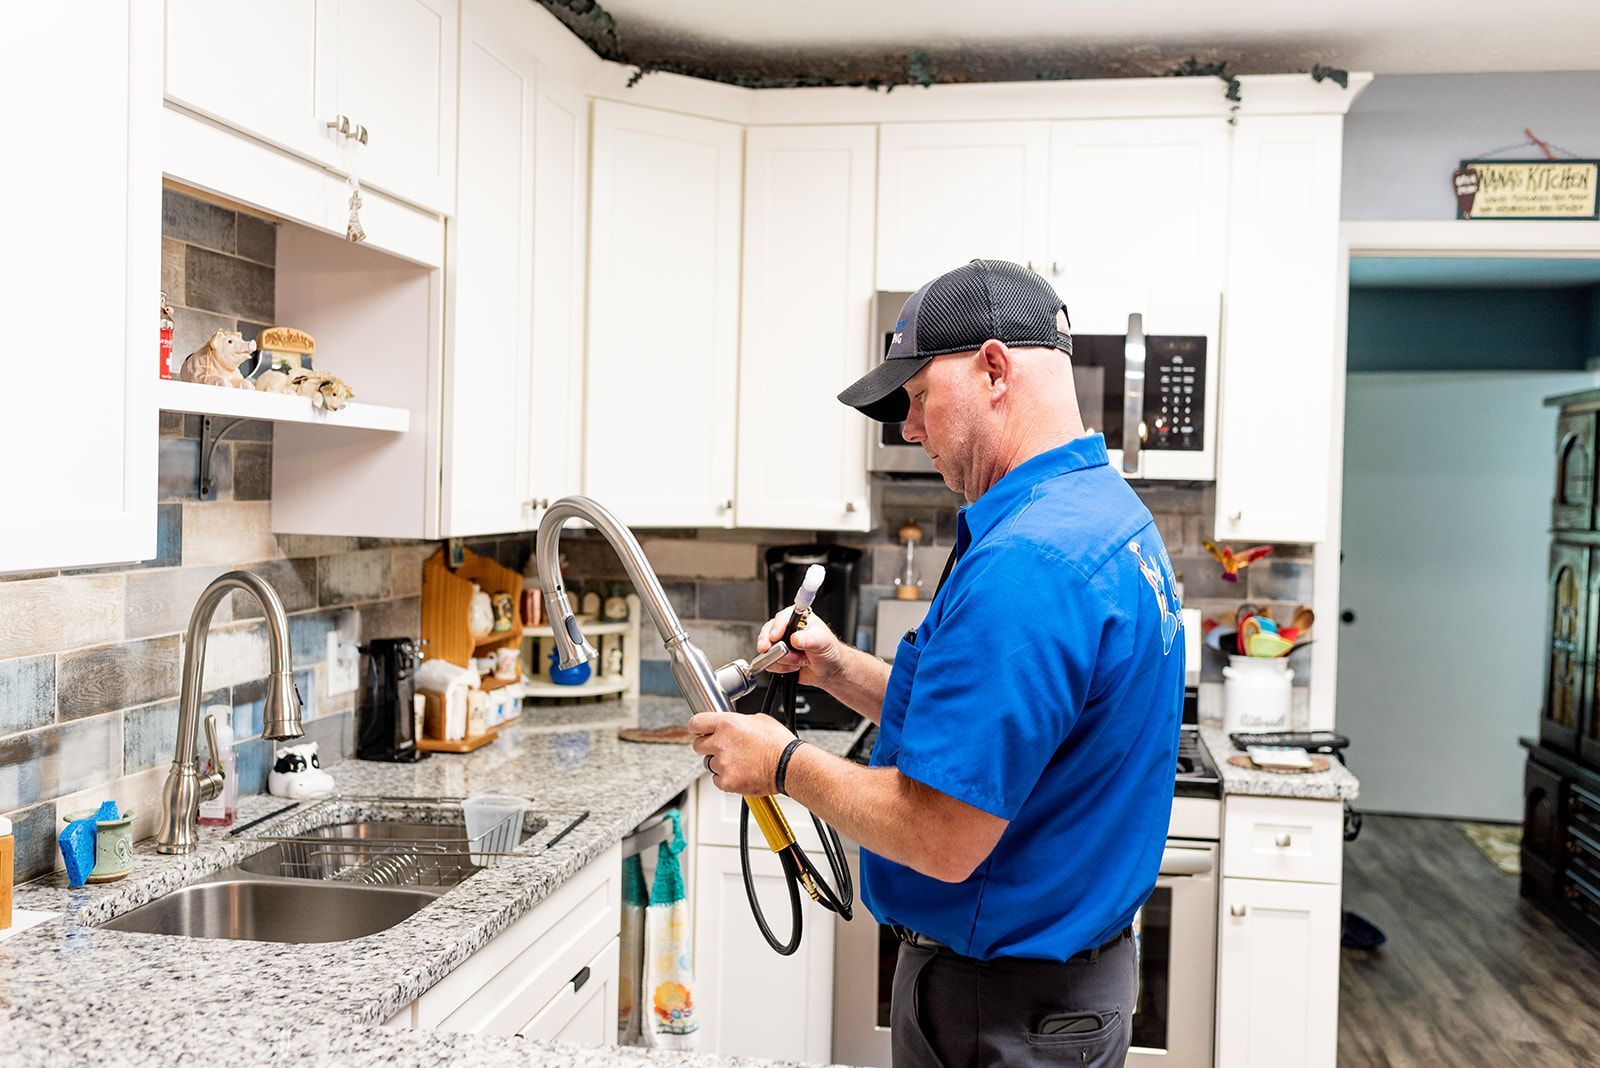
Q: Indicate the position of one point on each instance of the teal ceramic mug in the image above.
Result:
(113, 845)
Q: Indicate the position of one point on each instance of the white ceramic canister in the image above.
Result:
(1256, 693)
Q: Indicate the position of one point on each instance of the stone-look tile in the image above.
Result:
(178, 469)
(249, 708)
(294, 581)
(171, 423)
(138, 793)
(701, 559)
(335, 737)
(253, 759)
(27, 576)
(1202, 577)
(160, 600)
(191, 329)
(235, 654)
(27, 693)
(888, 562)
(733, 600)
(655, 677)
(252, 431)
(45, 764)
(353, 577)
(227, 532)
(314, 545)
(169, 537)
(923, 492)
(257, 239)
(50, 615)
(308, 633)
(252, 472)
(172, 258)
(306, 684)
(683, 596)
(196, 222)
(1172, 497)
(721, 641)
(150, 732)
(1280, 580)
(228, 285)
(34, 832)
(109, 677)
(392, 619)
(405, 573)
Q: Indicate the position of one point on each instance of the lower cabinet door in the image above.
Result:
(1278, 974)
(585, 1012)
(753, 1002)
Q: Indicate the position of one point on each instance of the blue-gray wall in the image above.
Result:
(1406, 133)
(1438, 329)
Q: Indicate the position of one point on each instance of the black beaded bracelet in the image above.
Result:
(783, 764)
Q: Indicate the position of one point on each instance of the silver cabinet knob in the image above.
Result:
(1236, 910)
(1030, 267)
(849, 506)
(1283, 841)
(359, 134)
(1055, 266)
(726, 506)
(340, 124)
(1234, 517)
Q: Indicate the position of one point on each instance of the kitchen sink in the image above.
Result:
(270, 910)
(425, 856)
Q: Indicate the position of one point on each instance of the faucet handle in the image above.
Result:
(211, 783)
(738, 677)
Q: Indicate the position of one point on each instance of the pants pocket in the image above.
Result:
(1104, 1046)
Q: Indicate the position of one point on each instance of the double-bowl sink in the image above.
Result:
(330, 882)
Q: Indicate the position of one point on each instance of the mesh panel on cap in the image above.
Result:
(988, 299)
(954, 310)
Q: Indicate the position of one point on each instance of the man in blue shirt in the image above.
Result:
(1014, 814)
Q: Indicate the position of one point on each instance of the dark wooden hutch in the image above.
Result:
(1561, 787)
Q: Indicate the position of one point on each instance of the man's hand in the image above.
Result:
(744, 750)
(814, 651)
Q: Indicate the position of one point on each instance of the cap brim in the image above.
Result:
(880, 393)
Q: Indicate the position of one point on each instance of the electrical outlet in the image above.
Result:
(344, 666)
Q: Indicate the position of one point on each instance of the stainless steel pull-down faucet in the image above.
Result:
(186, 787)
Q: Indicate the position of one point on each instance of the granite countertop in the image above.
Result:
(1335, 784)
(71, 992)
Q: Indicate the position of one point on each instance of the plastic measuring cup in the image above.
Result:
(493, 823)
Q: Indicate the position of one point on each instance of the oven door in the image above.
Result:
(1145, 367)
(1177, 933)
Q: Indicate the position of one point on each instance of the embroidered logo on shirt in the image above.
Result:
(1159, 575)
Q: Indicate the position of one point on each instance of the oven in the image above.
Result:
(1145, 368)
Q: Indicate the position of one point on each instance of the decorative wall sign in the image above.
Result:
(1526, 189)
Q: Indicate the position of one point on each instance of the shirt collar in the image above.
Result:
(1016, 486)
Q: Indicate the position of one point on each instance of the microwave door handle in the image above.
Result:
(1133, 393)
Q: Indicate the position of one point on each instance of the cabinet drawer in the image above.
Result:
(718, 814)
(585, 1010)
(501, 987)
(1276, 838)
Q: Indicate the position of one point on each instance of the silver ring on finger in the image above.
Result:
(708, 763)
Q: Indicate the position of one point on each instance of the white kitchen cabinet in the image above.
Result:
(754, 1002)
(1278, 974)
(81, 485)
(806, 326)
(1279, 321)
(386, 65)
(949, 192)
(584, 1013)
(1138, 204)
(663, 316)
(489, 288)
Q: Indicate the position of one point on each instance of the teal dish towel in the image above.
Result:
(78, 844)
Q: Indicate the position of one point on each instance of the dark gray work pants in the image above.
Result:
(951, 1011)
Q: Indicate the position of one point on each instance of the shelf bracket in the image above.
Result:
(211, 435)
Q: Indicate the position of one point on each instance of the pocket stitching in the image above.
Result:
(1085, 1038)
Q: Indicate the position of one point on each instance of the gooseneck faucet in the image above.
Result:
(186, 787)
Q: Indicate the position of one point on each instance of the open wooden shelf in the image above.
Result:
(175, 396)
(608, 684)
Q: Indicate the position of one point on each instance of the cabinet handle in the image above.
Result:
(1237, 910)
(581, 978)
(849, 506)
(340, 124)
(360, 133)
(1055, 267)
(1283, 841)
(1030, 268)
(1234, 517)
(726, 506)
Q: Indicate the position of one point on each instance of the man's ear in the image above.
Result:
(994, 360)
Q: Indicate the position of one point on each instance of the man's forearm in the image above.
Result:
(860, 682)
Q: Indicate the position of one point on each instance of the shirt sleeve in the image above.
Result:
(1003, 677)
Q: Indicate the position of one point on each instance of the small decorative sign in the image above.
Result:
(1526, 189)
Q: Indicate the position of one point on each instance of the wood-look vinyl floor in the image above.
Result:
(1471, 973)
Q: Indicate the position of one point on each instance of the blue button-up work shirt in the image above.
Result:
(1045, 687)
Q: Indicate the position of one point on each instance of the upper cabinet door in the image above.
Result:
(394, 74)
(1138, 203)
(949, 192)
(1280, 329)
(80, 487)
(283, 96)
(663, 316)
(560, 222)
(806, 325)
(490, 282)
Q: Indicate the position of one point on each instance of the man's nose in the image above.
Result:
(911, 429)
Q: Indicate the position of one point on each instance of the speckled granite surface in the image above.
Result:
(71, 992)
(1335, 784)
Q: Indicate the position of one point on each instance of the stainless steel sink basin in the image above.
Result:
(262, 910)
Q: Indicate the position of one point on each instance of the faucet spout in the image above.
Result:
(690, 668)
(185, 788)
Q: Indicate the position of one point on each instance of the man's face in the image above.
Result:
(945, 417)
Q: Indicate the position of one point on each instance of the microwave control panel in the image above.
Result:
(1175, 391)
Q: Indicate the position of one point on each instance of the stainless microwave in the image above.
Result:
(1145, 367)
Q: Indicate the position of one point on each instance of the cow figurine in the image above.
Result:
(297, 774)
(216, 363)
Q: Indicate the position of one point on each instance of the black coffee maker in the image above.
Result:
(386, 724)
(838, 604)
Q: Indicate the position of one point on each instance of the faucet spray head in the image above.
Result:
(282, 713)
